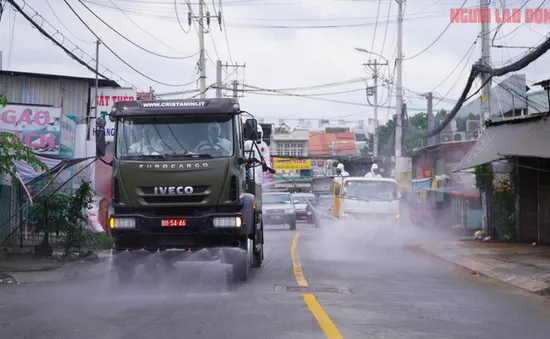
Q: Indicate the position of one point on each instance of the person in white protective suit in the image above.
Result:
(250, 145)
(374, 172)
(340, 172)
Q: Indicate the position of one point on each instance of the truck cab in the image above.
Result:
(368, 199)
(179, 181)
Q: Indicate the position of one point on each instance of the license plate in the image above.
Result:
(275, 217)
(173, 222)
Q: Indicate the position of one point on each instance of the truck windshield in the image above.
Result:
(174, 136)
(371, 190)
(276, 199)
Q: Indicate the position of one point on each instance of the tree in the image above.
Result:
(12, 149)
(63, 213)
(411, 140)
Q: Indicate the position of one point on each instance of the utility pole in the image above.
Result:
(235, 89)
(218, 79)
(487, 193)
(399, 84)
(430, 116)
(486, 61)
(374, 66)
(202, 59)
(89, 122)
(202, 30)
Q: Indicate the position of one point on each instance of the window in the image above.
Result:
(291, 149)
(164, 136)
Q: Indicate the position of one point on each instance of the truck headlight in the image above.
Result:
(122, 223)
(226, 222)
(289, 210)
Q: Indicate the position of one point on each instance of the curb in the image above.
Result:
(524, 282)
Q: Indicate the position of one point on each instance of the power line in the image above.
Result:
(51, 38)
(115, 54)
(478, 69)
(225, 32)
(130, 41)
(141, 29)
(468, 54)
(440, 35)
(62, 24)
(178, 18)
(303, 96)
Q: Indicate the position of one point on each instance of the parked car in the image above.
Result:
(278, 209)
(301, 203)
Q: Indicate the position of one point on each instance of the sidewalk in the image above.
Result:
(524, 266)
(26, 268)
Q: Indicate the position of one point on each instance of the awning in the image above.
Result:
(28, 174)
(518, 138)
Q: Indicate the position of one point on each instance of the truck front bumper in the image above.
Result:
(137, 231)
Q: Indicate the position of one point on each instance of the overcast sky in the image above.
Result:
(279, 54)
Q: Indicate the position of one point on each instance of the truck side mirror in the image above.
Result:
(100, 137)
(251, 129)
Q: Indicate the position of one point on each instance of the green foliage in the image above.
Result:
(102, 241)
(504, 200)
(483, 174)
(65, 214)
(12, 149)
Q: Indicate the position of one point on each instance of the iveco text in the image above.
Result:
(173, 190)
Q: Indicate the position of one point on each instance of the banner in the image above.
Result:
(281, 164)
(106, 99)
(68, 133)
(37, 127)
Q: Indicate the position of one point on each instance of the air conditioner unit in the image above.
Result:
(446, 137)
(450, 127)
(472, 125)
(472, 135)
(459, 136)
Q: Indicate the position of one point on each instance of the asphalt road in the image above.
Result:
(381, 288)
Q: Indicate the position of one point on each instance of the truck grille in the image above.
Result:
(200, 194)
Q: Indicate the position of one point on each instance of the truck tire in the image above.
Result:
(258, 255)
(241, 263)
(293, 225)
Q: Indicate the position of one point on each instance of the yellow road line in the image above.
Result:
(322, 317)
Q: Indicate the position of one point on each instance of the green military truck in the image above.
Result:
(179, 183)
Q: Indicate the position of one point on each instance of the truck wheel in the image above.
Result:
(293, 225)
(241, 263)
(258, 255)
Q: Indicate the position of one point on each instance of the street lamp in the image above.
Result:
(374, 66)
(368, 52)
